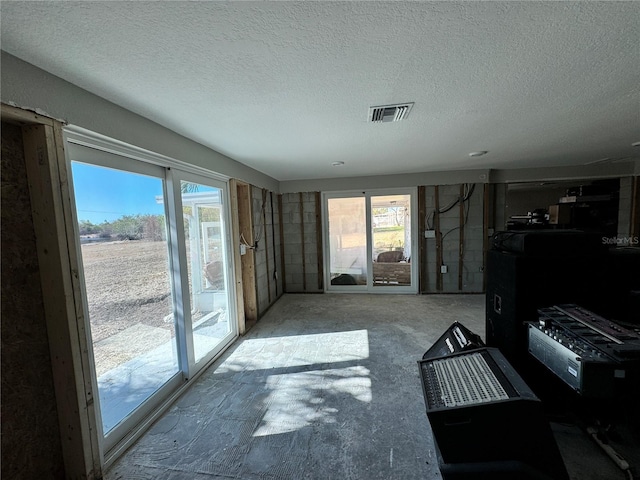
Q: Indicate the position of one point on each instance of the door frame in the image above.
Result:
(133, 159)
(46, 171)
(369, 287)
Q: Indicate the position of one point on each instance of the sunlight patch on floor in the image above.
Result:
(298, 400)
(298, 350)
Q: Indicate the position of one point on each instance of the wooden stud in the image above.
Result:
(282, 262)
(84, 337)
(461, 239)
(237, 258)
(273, 240)
(19, 116)
(422, 251)
(485, 234)
(266, 241)
(319, 246)
(245, 223)
(436, 226)
(304, 266)
(57, 256)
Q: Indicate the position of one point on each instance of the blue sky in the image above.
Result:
(107, 194)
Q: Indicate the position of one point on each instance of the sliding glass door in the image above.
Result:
(127, 276)
(156, 272)
(208, 325)
(347, 235)
(370, 238)
(391, 240)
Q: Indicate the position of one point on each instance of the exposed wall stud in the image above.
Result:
(266, 241)
(58, 259)
(461, 241)
(436, 226)
(245, 224)
(422, 251)
(273, 242)
(283, 272)
(235, 238)
(304, 269)
(485, 233)
(319, 246)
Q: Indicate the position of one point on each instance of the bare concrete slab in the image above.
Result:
(323, 387)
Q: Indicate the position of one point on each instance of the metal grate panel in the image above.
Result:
(466, 380)
(389, 113)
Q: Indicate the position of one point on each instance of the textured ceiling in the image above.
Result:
(285, 87)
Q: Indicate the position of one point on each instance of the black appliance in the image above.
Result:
(457, 338)
(529, 270)
(486, 422)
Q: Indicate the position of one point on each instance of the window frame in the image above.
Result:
(103, 151)
(369, 287)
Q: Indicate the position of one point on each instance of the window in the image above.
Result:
(156, 273)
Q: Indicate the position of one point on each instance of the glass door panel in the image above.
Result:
(391, 240)
(347, 226)
(155, 253)
(204, 229)
(127, 279)
(371, 239)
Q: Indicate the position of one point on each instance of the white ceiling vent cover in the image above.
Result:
(389, 113)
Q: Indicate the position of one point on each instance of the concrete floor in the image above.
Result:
(323, 387)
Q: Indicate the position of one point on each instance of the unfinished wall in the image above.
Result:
(268, 260)
(461, 241)
(302, 240)
(302, 235)
(31, 445)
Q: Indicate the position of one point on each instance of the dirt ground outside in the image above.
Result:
(129, 295)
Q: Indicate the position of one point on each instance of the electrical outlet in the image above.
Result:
(243, 249)
(429, 234)
(444, 269)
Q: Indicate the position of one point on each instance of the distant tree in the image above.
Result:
(153, 227)
(128, 227)
(86, 227)
(106, 230)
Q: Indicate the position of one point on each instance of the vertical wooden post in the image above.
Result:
(304, 266)
(485, 234)
(436, 226)
(245, 224)
(461, 240)
(266, 241)
(273, 240)
(422, 227)
(237, 258)
(58, 260)
(282, 262)
(319, 245)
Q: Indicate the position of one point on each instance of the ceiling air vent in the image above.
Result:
(389, 113)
